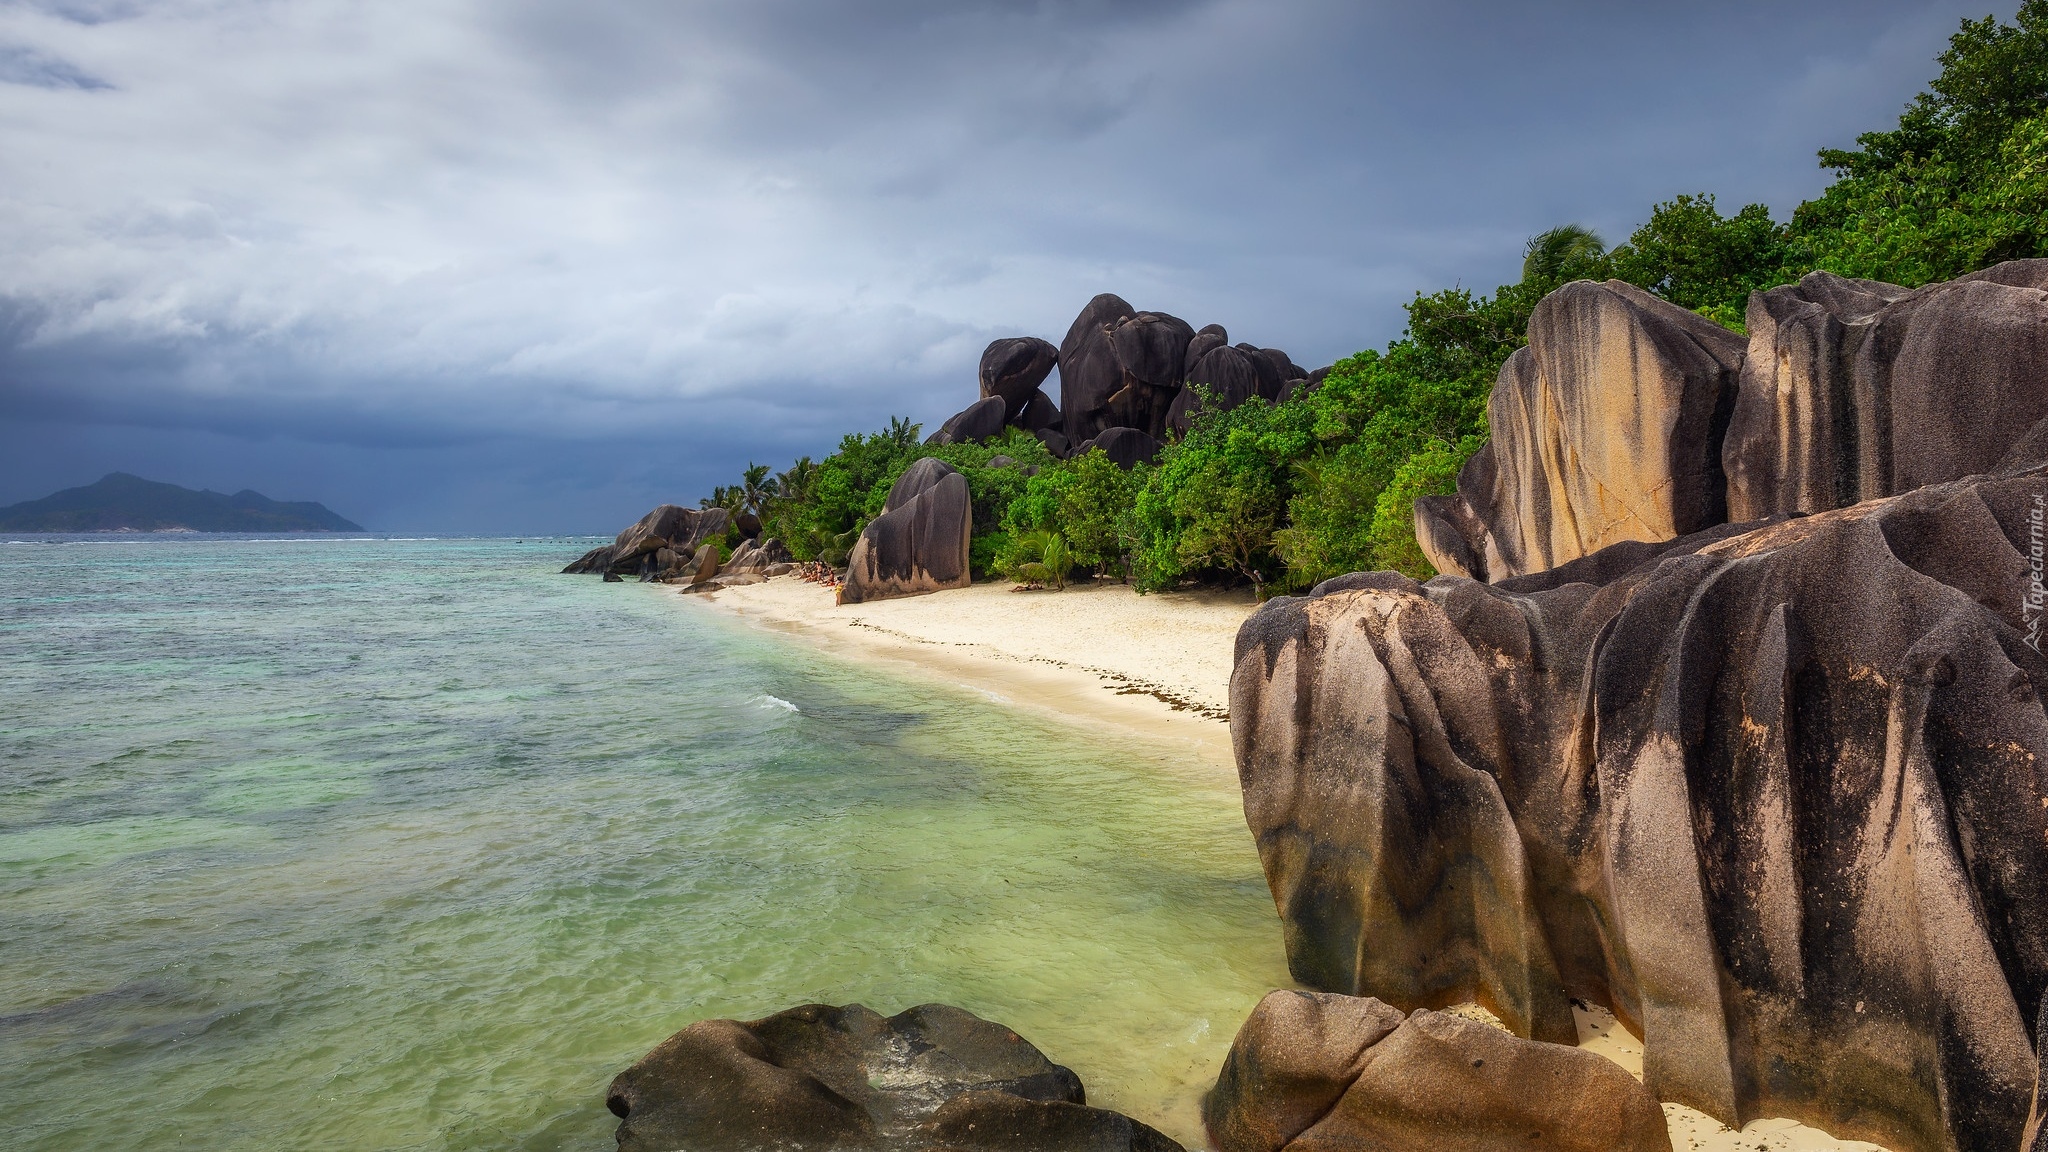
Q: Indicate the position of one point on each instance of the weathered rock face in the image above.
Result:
(1607, 427)
(1151, 349)
(1318, 1071)
(679, 531)
(758, 557)
(920, 541)
(1039, 414)
(1854, 390)
(1089, 374)
(821, 1078)
(978, 421)
(2036, 1139)
(1014, 368)
(1776, 796)
(1204, 342)
(1125, 447)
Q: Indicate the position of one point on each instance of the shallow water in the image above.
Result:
(414, 844)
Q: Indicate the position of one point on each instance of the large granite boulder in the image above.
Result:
(1089, 373)
(1606, 427)
(920, 541)
(1014, 368)
(758, 557)
(2036, 1137)
(1854, 389)
(1205, 341)
(1311, 1071)
(1126, 447)
(817, 1078)
(1039, 414)
(978, 421)
(1151, 348)
(1777, 795)
(1231, 376)
(636, 552)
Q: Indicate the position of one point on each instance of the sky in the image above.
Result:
(502, 266)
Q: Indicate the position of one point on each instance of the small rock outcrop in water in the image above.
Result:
(920, 541)
(679, 531)
(1322, 1071)
(818, 1078)
(1772, 793)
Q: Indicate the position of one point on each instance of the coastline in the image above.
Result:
(1156, 666)
(1097, 655)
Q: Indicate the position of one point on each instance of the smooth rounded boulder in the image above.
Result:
(1013, 369)
(1089, 373)
(979, 421)
(1125, 447)
(1318, 1072)
(635, 551)
(818, 1078)
(920, 541)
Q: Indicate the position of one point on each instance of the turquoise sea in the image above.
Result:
(413, 844)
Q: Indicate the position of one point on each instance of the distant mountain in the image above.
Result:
(124, 503)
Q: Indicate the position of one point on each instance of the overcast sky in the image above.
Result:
(512, 266)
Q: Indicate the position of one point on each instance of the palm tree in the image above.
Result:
(757, 487)
(1567, 252)
(795, 481)
(901, 432)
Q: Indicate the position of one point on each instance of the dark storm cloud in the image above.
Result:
(543, 238)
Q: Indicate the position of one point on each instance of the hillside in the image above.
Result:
(120, 502)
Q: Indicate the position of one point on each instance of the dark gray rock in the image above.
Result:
(1204, 342)
(634, 553)
(1284, 366)
(1231, 375)
(1268, 374)
(978, 421)
(1771, 794)
(1089, 373)
(1319, 1071)
(1055, 442)
(1150, 348)
(982, 1120)
(1038, 414)
(749, 525)
(1014, 368)
(1126, 447)
(820, 1078)
(920, 541)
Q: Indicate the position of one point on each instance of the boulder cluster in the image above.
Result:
(1629, 418)
(1128, 379)
(1773, 791)
(677, 545)
(920, 541)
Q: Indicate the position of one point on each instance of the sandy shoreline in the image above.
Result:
(1156, 666)
(1096, 655)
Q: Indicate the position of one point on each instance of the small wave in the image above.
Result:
(767, 701)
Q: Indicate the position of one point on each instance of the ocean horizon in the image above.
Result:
(415, 843)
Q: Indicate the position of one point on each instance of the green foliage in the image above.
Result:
(1087, 501)
(1038, 557)
(1697, 258)
(1957, 185)
(1563, 254)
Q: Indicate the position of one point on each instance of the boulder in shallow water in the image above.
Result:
(1312, 1071)
(675, 528)
(920, 541)
(1773, 794)
(819, 1077)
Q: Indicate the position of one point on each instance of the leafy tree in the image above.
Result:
(1563, 254)
(757, 487)
(1696, 258)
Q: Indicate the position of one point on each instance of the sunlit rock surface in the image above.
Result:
(1776, 796)
(1322, 1071)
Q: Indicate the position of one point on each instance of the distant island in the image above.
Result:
(120, 502)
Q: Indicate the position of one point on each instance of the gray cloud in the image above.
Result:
(704, 233)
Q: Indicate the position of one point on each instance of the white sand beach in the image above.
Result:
(1157, 665)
